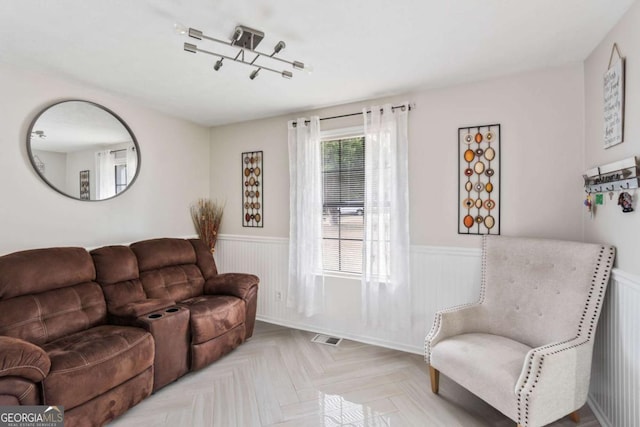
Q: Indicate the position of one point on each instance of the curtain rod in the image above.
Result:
(355, 114)
(122, 149)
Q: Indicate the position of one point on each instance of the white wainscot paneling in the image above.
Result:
(614, 395)
(440, 277)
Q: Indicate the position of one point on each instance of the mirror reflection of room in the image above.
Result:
(83, 151)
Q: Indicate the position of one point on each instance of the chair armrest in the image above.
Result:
(133, 310)
(554, 381)
(451, 322)
(235, 284)
(19, 358)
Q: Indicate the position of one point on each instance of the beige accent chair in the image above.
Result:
(526, 346)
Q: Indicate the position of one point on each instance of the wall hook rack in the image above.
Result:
(616, 176)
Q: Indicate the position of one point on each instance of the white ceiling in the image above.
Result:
(76, 125)
(360, 49)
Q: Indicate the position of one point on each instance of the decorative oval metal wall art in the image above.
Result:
(489, 136)
(479, 167)
(253, 165)
(468, 138)
(490, 154)
(479, 180)
(468, 221)
(489, 204)
(469, 155)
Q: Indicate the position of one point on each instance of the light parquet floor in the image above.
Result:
(280, 378)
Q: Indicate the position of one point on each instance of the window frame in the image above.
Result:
(332, 135)
(119, 161)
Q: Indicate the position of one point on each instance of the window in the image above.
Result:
(121, 177)
(343, 203)
(120, 160)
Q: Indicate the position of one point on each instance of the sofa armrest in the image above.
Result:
(133, 310)
(235, 284)
(19, 358)
(554, 381)
(451, 322)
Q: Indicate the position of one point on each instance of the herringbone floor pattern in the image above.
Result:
(280, 378)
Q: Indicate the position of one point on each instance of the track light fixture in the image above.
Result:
(246, 40)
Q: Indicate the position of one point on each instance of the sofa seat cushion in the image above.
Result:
(485, 364)
(91, 362)
(213, 315)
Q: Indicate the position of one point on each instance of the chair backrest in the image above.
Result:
(46, 294)
(173, 268)
(539, 291)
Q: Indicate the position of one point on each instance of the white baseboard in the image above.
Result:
(341, 334)
(598, 412)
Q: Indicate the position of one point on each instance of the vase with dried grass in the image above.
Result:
(207, 215)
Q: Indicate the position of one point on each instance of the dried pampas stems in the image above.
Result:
(207, 215)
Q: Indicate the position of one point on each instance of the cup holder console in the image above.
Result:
(159, 315)
(169, 327)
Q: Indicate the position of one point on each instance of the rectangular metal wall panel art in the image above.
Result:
(479, 179)
(252, 189)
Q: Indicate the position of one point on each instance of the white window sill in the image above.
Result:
(342, 275)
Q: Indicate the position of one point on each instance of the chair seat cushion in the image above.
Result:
(487, 365)
(213, 315)
(91, 362)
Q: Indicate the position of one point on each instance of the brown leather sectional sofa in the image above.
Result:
(98, 332)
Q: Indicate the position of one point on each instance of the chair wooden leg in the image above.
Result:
(574, 417)
(435, 379)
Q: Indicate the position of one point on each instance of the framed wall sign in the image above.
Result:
(252, 189)
(614, 100)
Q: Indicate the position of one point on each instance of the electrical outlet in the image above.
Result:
(278, 296)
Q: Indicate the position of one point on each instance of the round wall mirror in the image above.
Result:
(83, 150)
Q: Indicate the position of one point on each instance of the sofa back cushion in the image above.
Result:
(539, 291)
(168, 268)
(117, 273)
(49, 293)
(40, 270)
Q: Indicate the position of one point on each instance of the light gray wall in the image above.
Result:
(55, 166)
(610, 225)
(173, 173)
(541, 114)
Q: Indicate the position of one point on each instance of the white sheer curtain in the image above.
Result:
(132, 163)
(306, 282)
(105, 174)
(386, 299)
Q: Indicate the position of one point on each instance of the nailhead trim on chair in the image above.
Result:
(483, 281)
(597, 275)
